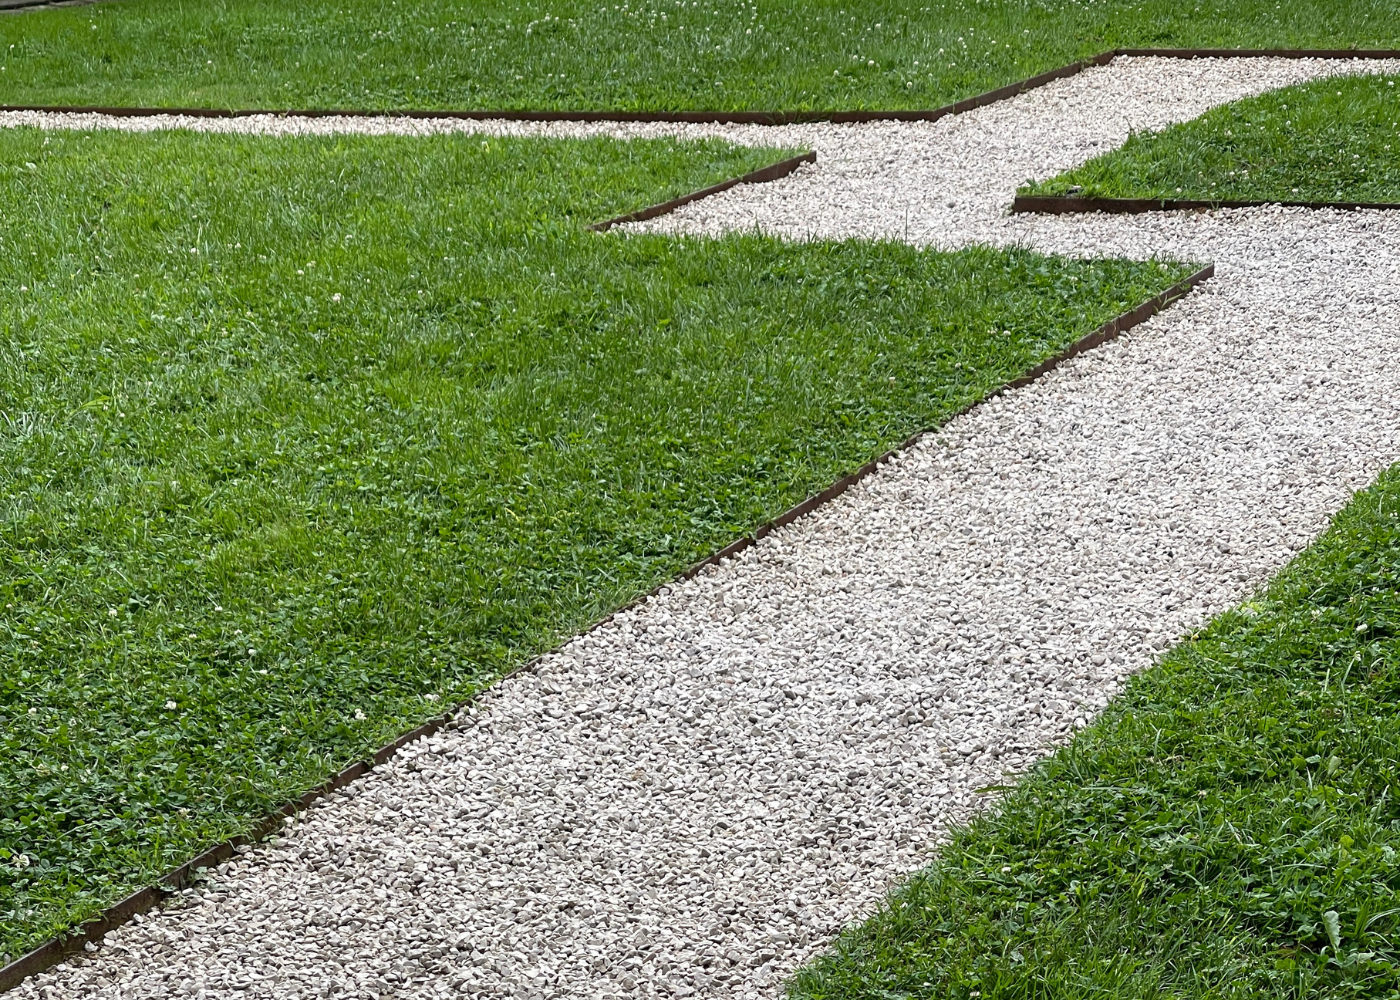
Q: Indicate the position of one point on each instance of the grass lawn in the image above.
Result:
(1229, 828)
(1329, 140)
(641, 54)
(303, 440)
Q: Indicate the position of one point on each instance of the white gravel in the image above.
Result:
(695, 796)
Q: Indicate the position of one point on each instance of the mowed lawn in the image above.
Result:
(1228, 829)
(666, 55)
(303, 440)
(1328, 140)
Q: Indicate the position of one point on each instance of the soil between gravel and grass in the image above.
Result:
(660, 55)
(307, 438)
(1227, 828)
(1328, 140)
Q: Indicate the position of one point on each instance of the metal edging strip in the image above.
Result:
(769, 173)
(1109, 331)
(1072, 204)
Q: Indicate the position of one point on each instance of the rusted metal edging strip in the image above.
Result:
(1109, 331)
(1261, 53)
(1072, 204)
(47, 955)
(1016, 89)
(51, 953)
(769, 173)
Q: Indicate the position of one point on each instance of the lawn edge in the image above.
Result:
(631, 117)
(1068, 204)
(718, 117)
(57, 949)
(772, 172)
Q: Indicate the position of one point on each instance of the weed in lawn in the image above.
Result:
(1329, 140)
(1229, 828)
(305, 439)
(666, 55)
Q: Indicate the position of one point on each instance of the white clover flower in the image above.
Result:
(170, 706)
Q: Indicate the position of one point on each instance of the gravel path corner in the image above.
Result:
(694, 797)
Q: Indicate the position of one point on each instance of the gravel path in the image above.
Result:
(695, 796)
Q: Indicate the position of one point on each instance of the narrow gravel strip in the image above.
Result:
(694, 797)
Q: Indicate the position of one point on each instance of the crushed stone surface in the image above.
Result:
(693, 798)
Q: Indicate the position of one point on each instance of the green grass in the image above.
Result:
(1230, 828)
(645, 54)
(303, 440)
(1330, 140)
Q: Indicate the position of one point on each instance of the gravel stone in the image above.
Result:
(694, 797)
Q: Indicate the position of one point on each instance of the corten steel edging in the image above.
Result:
(47, 955)
(1262, 53)
(769, 173)
(51, 953)
(1069, 205)
(1109, 331)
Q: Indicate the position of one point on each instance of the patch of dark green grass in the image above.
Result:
(1329, 140)
(665, 55)
(303, 440)
(1230, 828)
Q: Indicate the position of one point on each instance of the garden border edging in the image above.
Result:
(1111, 330)
(1068, 204)
(763, 174)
